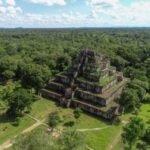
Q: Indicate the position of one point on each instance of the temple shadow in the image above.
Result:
(107, 122)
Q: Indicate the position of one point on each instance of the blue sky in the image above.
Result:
(74, 13)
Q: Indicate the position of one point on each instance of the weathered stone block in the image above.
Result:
(90, 97)
(63, 79)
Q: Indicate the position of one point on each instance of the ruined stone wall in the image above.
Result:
(91, 68)
(50, 94)
(104, 73)
(112, 72)
(109, 85)
(63, 79)
(89, 86)
(116, 94)
(90, 97)
(93, 110)
(56, 87)
(93, 78)
(95, 88)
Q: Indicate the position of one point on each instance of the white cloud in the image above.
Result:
(64, 18)
(103, 4)
(1, 2)
(9, 10)
(113, 11)
(48, 2)
(11, 2)
(2, 9)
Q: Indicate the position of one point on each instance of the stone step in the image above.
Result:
(57, 87)
(51, 94)
(88, 96)
(63, 79)
(105, 112)
(95, 104)
(106, 97)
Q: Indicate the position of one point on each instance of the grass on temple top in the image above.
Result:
(106, 80)
(95, 73)
(102, 82)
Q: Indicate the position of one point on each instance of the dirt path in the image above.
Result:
(37, 120)
(117, 138)
(115, 141)
(92, 129)
(6, 145)
(9, 143)
(88, 148)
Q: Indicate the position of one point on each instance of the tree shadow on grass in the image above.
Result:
(69, 124)
(4, 118)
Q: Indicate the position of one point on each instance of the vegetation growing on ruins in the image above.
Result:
(106, 80)
(102, 82)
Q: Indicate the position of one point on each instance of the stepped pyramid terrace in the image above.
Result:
(90, 83)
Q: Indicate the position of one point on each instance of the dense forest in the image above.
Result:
(49, 51)
(31, 57)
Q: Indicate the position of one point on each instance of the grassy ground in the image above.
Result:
(94, 139)
(40, 110)
(101, 139)
(42, 107)
(98, 140)
(89, 121)
(8, 130)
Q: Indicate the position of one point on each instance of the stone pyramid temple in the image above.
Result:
(90, 83)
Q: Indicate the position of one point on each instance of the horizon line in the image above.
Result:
(73, 27)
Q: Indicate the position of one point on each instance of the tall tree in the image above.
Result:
(71, 140)
(36, 140)
(129, 99)
(41, 140)
(54, 119)
(34, 75)
(18, 100)
(133, 131)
